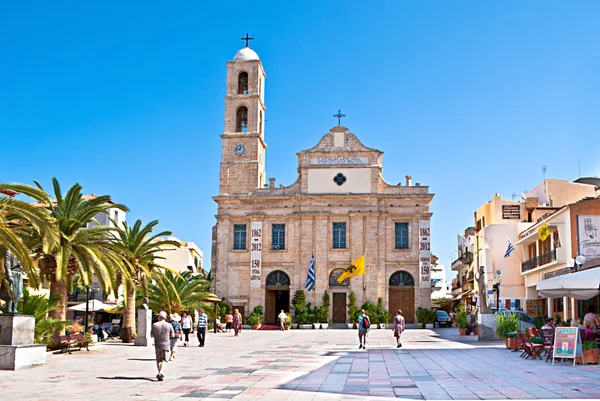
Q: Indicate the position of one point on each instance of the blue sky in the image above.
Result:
(470, 98)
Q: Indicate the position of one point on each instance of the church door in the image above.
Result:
(402, 295)
(277, 296)
(339, 307)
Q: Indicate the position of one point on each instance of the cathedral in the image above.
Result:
(338, 209)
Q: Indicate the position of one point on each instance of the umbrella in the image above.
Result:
(94, 306)
(580, 285)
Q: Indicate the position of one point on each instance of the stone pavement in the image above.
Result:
(305, 365)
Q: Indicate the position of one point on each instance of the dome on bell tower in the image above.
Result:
(245, 54)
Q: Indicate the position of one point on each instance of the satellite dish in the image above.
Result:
(498, 273)
(580, 260)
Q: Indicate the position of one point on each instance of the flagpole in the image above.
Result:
(515, 250)
(315, 284)
(364, 275)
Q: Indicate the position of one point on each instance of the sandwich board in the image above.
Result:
(565, 343)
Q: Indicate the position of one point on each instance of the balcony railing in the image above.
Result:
(538, 261)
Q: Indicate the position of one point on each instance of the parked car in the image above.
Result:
(524, 317)
(443, 318)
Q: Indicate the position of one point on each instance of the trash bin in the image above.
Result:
(126, 336)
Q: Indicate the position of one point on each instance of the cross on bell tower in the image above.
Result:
(247, 39)
(339, 116)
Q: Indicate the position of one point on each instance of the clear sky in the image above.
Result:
(470, 98)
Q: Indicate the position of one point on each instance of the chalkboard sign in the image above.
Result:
(565, 343)
(511, 212)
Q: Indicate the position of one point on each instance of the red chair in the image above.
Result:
(530, 350)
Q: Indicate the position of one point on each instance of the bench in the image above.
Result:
(71, 341)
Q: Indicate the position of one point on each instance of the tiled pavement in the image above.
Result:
(305, 365)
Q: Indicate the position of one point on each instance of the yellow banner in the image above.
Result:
(544, 232)
(357, 267)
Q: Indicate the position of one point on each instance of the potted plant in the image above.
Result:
(590, 352)
(353, 311)
(255, 318)
(288, 321)
(300, 309)
(383, 316)
(461, 320)
(506, 325)
(323, 312)
(430, 318)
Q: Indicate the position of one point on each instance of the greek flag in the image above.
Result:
(310, 280)
(509, 249)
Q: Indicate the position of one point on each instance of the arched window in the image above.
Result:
(241, 120)
(402, 278)
(333, 279)
(243, 83)
(278, 278)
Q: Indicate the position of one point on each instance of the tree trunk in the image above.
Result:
(129, 309)
(59, 289)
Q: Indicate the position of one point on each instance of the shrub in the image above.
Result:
(539, 321)
(353, 311)
(460, 318)
(383, 316)
(39, 306)
(506, 324)
(299, 306)
(256, 316)
(288, 320)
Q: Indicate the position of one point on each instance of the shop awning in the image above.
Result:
(580, 285)
(94, 306)
(461, 295)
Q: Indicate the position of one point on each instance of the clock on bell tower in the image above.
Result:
(243, 145)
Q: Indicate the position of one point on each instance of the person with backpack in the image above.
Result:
(174, 320)
(363, 327)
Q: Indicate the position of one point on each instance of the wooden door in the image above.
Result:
(404, 299)
(269, 307)
(339, 307)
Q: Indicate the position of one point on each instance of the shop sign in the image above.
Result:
(255, 254)
(588, 228)
(511, 212)
(424, 253)
(565, 343)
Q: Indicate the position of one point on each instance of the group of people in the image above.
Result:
(364, 323)
(170, 329)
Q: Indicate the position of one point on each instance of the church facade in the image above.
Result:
(338, 209)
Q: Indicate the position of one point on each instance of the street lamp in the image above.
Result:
(87, 303)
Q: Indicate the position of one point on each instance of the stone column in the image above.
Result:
(565, 308)
(17, 349)
(144, 326)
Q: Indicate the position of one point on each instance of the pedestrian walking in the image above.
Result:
(175, 319)
(237, 322)
(201, 327)
(363, 328)
(228, 322)
(398, 327)
(282, 317)
(451, 315)
(186, 325)
(162, 332)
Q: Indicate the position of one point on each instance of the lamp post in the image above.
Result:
(575, 264)
(496, 288)
(87, 304)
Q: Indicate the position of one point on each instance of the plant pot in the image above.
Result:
(511, 343)
(462, 332)
(429, 325)
(589, 356)
(305, 326)
(287, 327)
(350, 326)
(324, 325)
(475, 331)
(255, 326)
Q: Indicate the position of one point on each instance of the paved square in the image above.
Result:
(305, 365)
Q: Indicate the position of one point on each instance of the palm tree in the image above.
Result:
(39, 307)
(138, 248)
(20, 220)
(176, 293)
(82, 249)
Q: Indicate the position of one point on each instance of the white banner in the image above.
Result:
(424, 253)
(588, 230)
(255, 254)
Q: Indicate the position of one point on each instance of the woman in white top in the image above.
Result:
(591, 318)
(186, 325)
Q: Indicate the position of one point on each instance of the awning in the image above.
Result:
(580, 285)
(461, 295)
(94, 306)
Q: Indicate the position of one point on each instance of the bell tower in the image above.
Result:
(243, 145)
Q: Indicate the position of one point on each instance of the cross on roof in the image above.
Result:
(339, 116)
(247, 39)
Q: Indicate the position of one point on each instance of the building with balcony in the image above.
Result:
(463, 285)
(574, 231)
(439, 284)
(187, 257)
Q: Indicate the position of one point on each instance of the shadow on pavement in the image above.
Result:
(126, 378)
(142, 359)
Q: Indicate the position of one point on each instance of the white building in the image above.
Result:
(187, 257)
(439, 283)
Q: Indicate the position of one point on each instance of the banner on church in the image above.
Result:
(255, 254)
(424, 253)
